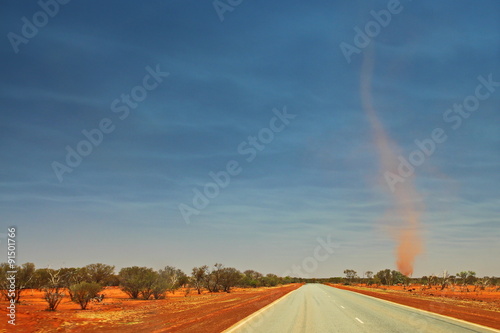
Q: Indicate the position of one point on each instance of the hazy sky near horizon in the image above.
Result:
(315, 176)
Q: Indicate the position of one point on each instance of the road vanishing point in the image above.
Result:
(317, 308)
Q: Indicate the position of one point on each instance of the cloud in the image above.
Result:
(226, 78)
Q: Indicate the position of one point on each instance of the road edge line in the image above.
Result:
(425, 311)
(258, 312)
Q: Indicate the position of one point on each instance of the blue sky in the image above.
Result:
(319, 176)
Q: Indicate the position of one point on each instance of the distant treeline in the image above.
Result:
(464, 280)
(83, 284)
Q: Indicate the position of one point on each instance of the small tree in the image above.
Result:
(252, 279)
(384, 276)
(100, 273)
(397, 277)
(159, 289)
(73, 275)
(433, 281)
(174, 277)
(467, 277)
(213, 279)
(137, 281)
(53, 294)
(21, 280)
(229, 278)
(83, 292)
(41, 278)
(369, 278)
(350, 275)
(445, 280)
(482, 283)
(270, 280)
(198, 276)
(148, 283)
(168, 278)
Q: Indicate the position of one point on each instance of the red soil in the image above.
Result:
(482, 308)
(117, 313)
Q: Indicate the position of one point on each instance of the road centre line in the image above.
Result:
(359, 320)
(429, 313)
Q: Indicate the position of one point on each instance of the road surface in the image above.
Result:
(316, 308)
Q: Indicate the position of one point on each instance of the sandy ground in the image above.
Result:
(481, 308)
(117, 313)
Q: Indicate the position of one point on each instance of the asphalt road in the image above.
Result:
(316, 308)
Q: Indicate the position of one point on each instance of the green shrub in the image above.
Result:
(83, 292)
(137, 281)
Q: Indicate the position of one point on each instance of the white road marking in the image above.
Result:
(429, 313)
(359, 320)
(245, 320)
(342, 307)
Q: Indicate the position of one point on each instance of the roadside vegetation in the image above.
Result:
(83, 285)
(464, 281)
